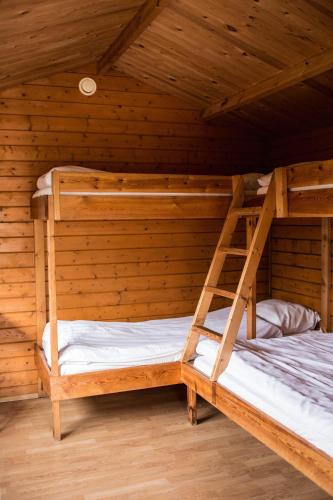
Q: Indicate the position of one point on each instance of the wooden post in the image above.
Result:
(251, 223)
(192, 406)
(53, 312)
(40, 278)
(56, 194)
(40, 288)
(281, 192)
(270, 262)
(326, 277)
(56, 420)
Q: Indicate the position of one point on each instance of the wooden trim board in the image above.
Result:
(326, 273)
(107, 381)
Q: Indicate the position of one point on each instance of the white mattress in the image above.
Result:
(288, 378)
(92, 345)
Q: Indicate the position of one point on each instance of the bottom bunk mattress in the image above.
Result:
(92, 345)
(288, 378)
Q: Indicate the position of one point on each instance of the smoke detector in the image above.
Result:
(87, 86)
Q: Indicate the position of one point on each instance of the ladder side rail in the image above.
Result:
(246, 280)
(216, 265)
(251, 304)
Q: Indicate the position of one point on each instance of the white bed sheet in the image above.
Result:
(92, 345)
(289, 379)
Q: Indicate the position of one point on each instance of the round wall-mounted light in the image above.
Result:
(87, 86)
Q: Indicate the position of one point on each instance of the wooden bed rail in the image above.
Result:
(312, 462)
(121, 196)
(104, 195)
(64, 182)
(292, 200)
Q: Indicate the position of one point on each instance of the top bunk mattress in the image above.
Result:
(288, 378)
(92, 345)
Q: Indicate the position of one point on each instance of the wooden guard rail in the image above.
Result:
(139, 196)
(316, 202)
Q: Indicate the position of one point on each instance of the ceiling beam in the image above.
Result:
(144, 16)
(309, 68)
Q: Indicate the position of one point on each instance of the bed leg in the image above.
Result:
(40, 390)
(56, 420)
(192, 406)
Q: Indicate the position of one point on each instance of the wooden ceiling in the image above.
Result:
(209, 52)
(40, 37)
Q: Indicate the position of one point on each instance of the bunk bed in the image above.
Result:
(297, 191)
(289, 386)
(76, 194)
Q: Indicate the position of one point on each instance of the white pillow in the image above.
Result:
(217, 320)
(265, 179)
(262, 190)
(290, 317)
(46, 180)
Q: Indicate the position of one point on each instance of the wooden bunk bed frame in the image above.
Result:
(111, 196)
(316, 202)
(177, 197)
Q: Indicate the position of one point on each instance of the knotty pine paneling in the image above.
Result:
(106, 270)
(136, 270)
(296, 261)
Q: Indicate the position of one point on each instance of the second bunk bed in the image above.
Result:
(278, 389)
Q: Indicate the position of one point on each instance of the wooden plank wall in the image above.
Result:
(315, 144)
(296, 261)
(136, 270)
(130, 270)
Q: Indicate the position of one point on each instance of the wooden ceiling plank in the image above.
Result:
(283, 79)
(163, 40)
(142, 19)
(33, 18)
(157, 78)
(263, 25)
(46, 71)
(210, 21)
(187, 74)
(228, 59)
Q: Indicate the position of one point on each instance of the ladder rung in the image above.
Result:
(207, 332)
(234, 251)
(220, 292)
(247, 211)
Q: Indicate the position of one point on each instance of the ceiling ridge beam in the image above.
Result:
(309, 68)
(137, 25)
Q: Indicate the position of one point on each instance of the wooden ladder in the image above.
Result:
(242, 296)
